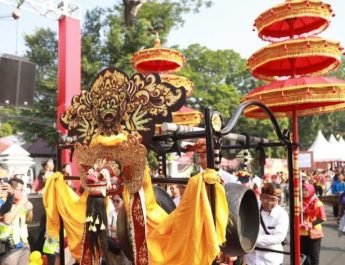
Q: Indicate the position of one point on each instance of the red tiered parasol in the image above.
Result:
(298, 58)
(306, 95)
(303, 17)
(165, 62)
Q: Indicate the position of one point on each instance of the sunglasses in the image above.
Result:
(117, 201)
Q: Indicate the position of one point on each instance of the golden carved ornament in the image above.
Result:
(127, 157)
(117, 103)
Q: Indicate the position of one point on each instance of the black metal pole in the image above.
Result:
(210, 163)
(164, 164)
(61, 231)
(210, 158)
(291, 204)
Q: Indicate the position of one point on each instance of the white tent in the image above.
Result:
(335, 148)
(17, 161)
(321, 149)
(342, 147)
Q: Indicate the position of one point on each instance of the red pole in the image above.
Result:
(69, 71)
(296, 186)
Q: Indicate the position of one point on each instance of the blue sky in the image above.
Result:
(227, 24)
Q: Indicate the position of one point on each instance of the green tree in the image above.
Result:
(106, 41)
(6, 129)
(328, 123)
(92, 59)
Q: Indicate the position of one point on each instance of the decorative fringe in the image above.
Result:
(96, 227)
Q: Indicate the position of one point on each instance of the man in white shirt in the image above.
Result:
(274, 223)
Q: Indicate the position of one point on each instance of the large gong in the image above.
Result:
(243, 224)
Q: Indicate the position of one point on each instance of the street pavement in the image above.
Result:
(332, 246)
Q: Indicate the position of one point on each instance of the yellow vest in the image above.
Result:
(17, 230)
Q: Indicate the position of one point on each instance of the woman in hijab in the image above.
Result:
(311, 229)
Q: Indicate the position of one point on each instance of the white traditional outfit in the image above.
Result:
(277, 223)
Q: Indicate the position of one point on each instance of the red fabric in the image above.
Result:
(299, 81)
(86, 256)
(302, 25)
(157, 66)
(36, 185)
(141, 251)
(304, 65)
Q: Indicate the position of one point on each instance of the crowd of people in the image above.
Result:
(271, 190)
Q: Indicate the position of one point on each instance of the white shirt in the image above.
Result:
(227, 177)
(277, 224)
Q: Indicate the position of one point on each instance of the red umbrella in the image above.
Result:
(158, 59)
(166, 61)
(304, 17)
(296, 57)
(306, 95)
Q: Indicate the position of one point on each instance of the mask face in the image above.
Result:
(107, 169)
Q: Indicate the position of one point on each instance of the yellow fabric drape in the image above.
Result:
(187, 236)
(60, 199)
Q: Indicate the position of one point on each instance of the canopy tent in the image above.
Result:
(321, 149)
(336, 149)
(342, 147)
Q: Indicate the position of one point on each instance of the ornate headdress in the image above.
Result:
(117, 103)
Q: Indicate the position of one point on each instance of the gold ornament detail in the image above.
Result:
(130, 155)
(216, 122)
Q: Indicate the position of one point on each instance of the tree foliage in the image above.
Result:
(5, 129)
(220, 76)
(330, 123)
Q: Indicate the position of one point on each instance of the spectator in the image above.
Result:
(311, 229)
(6, 199)
(46, 171)
(274, 223)
(175, 194)
(319, 180)
(14, 227)
(338, 185)
(337, 188)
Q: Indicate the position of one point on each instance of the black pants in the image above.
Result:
(318, 190)
(311, 248)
